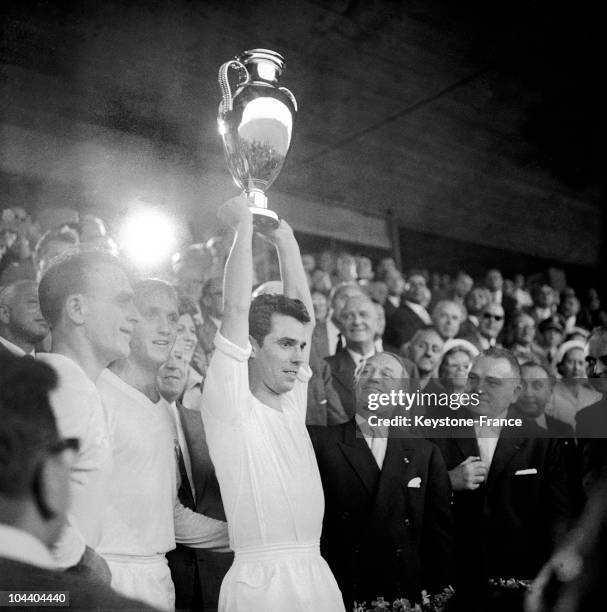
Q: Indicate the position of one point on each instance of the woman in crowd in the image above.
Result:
(196, 359)
(571, 392)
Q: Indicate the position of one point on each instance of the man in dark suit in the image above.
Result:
(591, 422)
(387, 528)
(34, 491)
(22, 325)
(512, 488)
(359, 321)
(196, 572)
(410, 315)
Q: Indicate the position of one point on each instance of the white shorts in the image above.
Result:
(145, 578)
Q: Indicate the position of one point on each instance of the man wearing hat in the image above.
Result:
(551, 331)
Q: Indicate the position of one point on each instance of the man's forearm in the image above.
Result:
(199, 531)
(292, 272)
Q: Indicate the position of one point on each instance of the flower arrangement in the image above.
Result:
(430, 603)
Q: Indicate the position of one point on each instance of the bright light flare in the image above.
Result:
(148, 237)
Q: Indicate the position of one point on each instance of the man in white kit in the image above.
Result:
(254, 409)
(144, 518)
(87, 300)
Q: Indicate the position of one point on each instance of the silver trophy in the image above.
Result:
(256, 125)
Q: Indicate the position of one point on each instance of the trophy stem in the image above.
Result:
(257, 198)
(264, 219)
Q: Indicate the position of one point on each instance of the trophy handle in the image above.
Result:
(290, 96)
(226, 103)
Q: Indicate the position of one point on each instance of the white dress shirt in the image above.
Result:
(17, 351)
(420, 311)
(394, 300)
(19, 545)
(376, 438)
(487, 438)
(359, 360)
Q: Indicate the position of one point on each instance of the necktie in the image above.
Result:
(340, 343)
(185, 492)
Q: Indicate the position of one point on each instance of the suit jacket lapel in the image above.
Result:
(359, 456)
(505, 450)
(200, 461)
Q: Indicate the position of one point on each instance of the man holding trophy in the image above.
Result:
(254, 409)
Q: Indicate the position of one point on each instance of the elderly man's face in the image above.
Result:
(596, 361)
(496, 383)
(359, 320)
(381, 373)
(426, 350)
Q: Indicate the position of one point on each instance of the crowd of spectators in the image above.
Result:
(434, 326)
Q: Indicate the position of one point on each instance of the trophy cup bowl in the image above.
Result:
(256, 125)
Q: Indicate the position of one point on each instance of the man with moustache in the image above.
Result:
(22, 325)
(197, 573)
(512, 496)
(387, 529)
(144, 517)
(591, 422)
(87, 299)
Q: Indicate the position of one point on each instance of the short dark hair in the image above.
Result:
(27, 424)
(264, 306)
(496, 352)
(67, 275)
(541, 366)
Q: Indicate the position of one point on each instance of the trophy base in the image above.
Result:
(264, 220)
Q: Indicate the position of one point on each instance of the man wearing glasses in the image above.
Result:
(35, 466)
(591, 422)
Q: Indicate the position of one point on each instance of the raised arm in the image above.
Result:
(238, 276)
(293, 276)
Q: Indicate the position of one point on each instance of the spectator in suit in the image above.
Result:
(524, 347)
(197, 573)
(360, 323)
(396, 286)
(22, 325)
(387, 525)
(537, 388)
(494, 281)
(552, 331)
(447, 316)
(490, 327)
(410, 315)
(320, 339)
(35, 466)
(512, 496)
(591, 422)
(425, 351)
(544, 303)
(341, 293)
(476, 299)
(569, 309)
